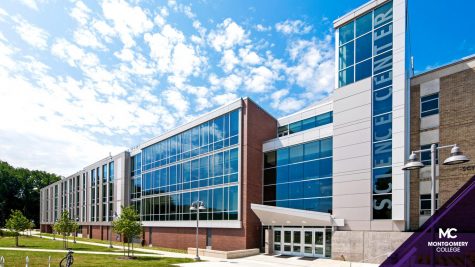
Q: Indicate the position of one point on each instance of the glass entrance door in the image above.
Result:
(319, 243)
(309, 242)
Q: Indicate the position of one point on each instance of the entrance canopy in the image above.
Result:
(270, 215)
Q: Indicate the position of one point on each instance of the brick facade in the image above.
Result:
(456, 126)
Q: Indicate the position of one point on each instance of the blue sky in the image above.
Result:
(80, 79)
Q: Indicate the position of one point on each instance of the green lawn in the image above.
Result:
(120, 244)
(17, 258)
(36, 242)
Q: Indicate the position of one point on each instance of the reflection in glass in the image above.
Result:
(346, 55)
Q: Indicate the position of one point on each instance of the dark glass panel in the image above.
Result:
(269, 159)
(364, 24)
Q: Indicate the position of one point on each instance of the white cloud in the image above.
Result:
(260, 80)
(3, 14)
(73, 55)
(314, 68)
(229, 60)
(80, 12)
(86, 38)
(227, 35)
(249, 57)
(30, 3)
(31, 34)
(281, 101)
(232, 82)
(262, 28)
(172, 55)
(127, 21)
(177, 101)
(293, 27)
(224, 98)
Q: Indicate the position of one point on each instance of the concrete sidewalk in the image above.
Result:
(158, 253)
(279, 261)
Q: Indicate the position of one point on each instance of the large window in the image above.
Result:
(359, 42)
(430, 105)
(305, 124)
(300, 176)
(199, 164)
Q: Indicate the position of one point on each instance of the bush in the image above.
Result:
(4, 233)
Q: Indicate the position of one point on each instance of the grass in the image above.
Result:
(17, 258)
(36, 242)
(174, 250)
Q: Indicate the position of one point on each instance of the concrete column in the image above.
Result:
(269, 241)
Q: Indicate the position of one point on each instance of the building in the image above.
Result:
(442, 113)
(326, 181)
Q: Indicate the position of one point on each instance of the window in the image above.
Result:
(346, 55)
(364, 24)
(430, 105)
(346, 77)
(361, 50)
(283, 131)
(346, 33)
(302, 178)
(425, 203)
(425, 156)
(305, 124)
(360, 40)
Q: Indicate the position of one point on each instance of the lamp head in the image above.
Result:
(413, 163)
(456, 157)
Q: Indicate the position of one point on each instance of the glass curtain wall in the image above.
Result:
(300, 176)
(201, 163)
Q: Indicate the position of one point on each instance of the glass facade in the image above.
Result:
(305, 124)
(365, 50)
(359, 44)
(201, 163)
(300, 176)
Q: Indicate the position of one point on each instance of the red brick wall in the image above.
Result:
(259, 126)
(96, 232)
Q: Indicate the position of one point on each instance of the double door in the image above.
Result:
(308, 242)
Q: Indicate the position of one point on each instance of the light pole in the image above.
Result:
(76, 230)
(456, 157)
(110, 230)
(197, 206)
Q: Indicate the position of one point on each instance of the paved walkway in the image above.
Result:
(77, 251)
(253, 261)
(143, 251)
(278, 261)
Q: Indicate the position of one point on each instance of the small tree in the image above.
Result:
(64, 226)
(75, 227)
(128, 225)
(17, 223)
(31, 226)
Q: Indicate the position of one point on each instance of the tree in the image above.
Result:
(31, 226)
(75, 227)
(65, 227)
(19, 190)
(17, 223)
(128, 225)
